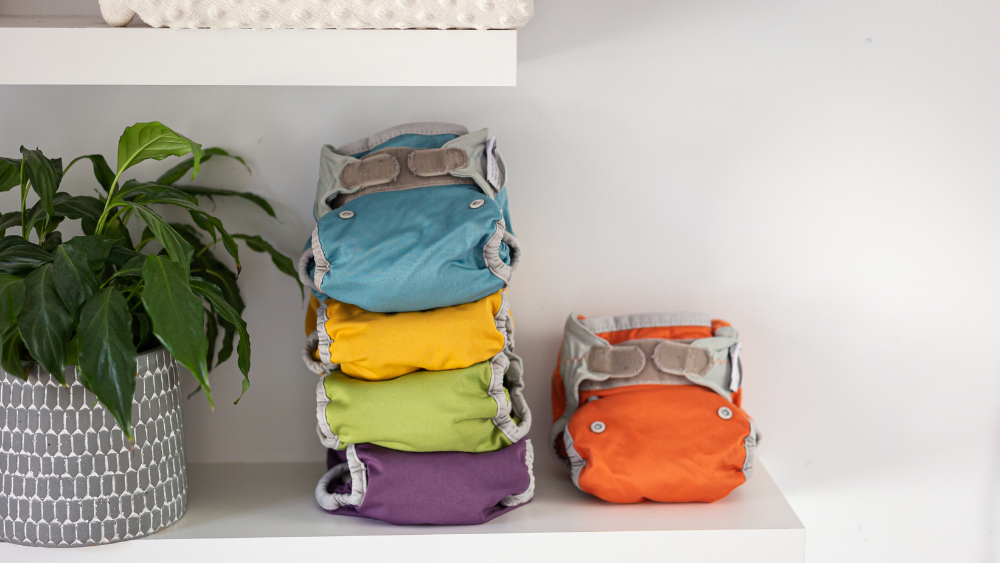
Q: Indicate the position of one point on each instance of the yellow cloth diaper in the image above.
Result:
(380, 346)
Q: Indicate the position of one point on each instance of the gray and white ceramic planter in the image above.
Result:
(68, 476)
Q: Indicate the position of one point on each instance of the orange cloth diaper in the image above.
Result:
(648, 407)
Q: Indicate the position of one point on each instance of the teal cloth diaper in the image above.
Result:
(410, 219)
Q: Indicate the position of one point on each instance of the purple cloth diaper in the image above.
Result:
(444, 488)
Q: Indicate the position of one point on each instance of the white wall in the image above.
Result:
(823, 175)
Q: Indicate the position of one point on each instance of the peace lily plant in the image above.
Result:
(98, 300)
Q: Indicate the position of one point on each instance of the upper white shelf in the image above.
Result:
(267, 512)
(85, 50)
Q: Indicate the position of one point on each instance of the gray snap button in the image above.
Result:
(477, 204)
(592, 398)
(346, 214)
(597, 427)
(725, 413)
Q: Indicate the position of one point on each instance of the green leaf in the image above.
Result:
(10, 173)
(225, 311)
(132, 268)
(45, 324)
(119, 255)
(107, 355)
(104, 174)
(150, 191)
(206, 221)
(211, 192)
(79, 207)
(52, 241)
(212, 333)
(8, 220)
(204, 224)
(11, 300)
(144, 141)
(35, 216)
(143, 331)
(178, 316)
(227, 240)
(228, 340)
(96, 248)
(190, 234)
(177, 248)
(178, 172)
(215, 271)
(73, 350)
(284, 264)
(45, 175)
(10, 352)
(74, 279)
(117, 231)
(19, 255)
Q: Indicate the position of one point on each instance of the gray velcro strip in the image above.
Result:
(436, 162)
(373, 170)
(680, 359)
(621, 361)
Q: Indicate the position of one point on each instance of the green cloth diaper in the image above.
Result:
(475, 409)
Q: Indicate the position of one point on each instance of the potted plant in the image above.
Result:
(91, 328)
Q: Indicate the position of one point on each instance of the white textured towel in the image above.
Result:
(336, 14)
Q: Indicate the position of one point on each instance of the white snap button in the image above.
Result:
(346, 214)
(477, 204)
(725, 413)
(592, 398)
(597, 427)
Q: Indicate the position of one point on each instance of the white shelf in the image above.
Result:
(266, 512)
(85, 50)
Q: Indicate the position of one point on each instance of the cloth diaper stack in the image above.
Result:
(420, 398)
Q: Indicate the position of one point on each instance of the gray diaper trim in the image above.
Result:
(529, 461)
(312, 343)
(359, 483)
(326, 435)
(496, 169)
(334, 161)
(303, 268)
(420, 128)
(323, 337)
(577, 342)
(506, 367)
(474, 145)
(341, 200)
(645, 320)
(491, 253)
(504, 323)
(736, 378)
(750, 445)
(322, 264)
(575, 463)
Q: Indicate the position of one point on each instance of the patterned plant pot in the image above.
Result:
(69, 478)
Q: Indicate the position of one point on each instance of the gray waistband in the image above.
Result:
(423, 128)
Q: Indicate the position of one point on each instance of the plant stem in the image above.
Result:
(206, 247)
(107, 205)
(24, 198)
